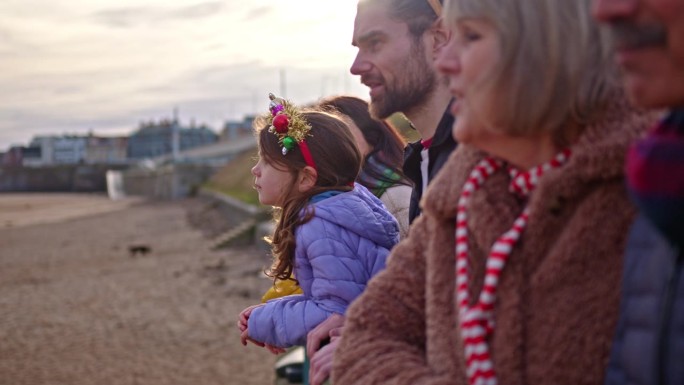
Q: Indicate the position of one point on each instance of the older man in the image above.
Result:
(649, 45)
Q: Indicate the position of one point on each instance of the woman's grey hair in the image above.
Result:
(556, 66)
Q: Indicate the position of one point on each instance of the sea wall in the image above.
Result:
(172, 181)
(62, 178)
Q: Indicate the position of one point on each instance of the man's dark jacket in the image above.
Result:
(442, 146)
(649, 341)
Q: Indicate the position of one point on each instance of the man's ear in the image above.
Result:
(440, 36)
(306, 179)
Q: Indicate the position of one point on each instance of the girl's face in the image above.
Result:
(272, 184)
(468, 62)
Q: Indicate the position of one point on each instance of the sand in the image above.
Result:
(77, 308)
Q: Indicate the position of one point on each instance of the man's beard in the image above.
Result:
(409, 89)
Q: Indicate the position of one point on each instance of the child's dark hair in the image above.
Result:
(386, 144)
(338, 163)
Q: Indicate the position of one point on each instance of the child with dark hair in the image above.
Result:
(332, 235)
(382, 149)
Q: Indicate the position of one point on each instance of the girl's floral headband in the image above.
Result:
(290, 126)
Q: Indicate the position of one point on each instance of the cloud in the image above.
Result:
(34, 124)
(137, 16)
(6, 36)
(72, 65)
(197, 11)
(12, 44)
(257, 13)
(7, 42)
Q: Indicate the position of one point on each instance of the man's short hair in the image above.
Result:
(417, 14)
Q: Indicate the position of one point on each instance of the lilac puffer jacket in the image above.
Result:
(345, 244)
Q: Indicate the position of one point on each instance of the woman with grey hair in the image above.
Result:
(512, 273)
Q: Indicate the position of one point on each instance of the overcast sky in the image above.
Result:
(70, 66)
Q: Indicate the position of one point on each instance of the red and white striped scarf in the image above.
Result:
(477, 321)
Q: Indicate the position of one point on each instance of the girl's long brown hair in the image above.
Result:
(338, 162)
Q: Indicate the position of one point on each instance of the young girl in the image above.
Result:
(331, 234)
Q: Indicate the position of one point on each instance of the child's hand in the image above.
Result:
(242, 324)
(274, 349)
(244, 317)
(244, 338)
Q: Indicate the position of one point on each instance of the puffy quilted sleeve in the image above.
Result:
(333, 268)
(285, 321)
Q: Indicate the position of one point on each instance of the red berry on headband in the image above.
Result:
(280, 122)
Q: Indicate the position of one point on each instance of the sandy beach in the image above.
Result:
(77, 308)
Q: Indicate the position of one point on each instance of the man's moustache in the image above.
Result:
(628, 35)
(370, 79)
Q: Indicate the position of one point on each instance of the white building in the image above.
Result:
(70, 149)
(106, 150)
(47, 149)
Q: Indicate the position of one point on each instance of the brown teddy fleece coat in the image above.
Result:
(558, 294)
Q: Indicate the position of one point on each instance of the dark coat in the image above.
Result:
(649, 342)
(442, 146)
